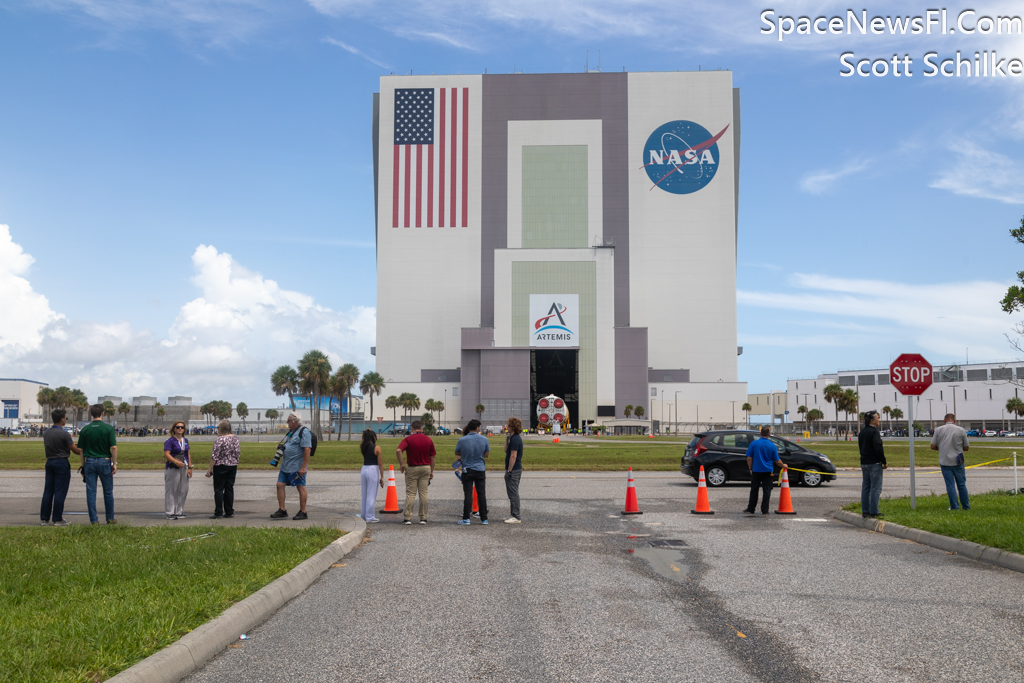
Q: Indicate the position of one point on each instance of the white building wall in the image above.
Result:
(428, 279)
(976, 401)
(697, 402)
(682, 248)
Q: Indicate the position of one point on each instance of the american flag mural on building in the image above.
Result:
(431, 157)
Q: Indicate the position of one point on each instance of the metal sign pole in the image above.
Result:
(910, 436)
(1015, 489)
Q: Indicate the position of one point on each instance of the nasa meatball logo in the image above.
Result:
(682, 157)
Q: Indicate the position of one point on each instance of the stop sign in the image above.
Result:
(911, 374)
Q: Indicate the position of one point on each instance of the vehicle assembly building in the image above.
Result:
(565, 234)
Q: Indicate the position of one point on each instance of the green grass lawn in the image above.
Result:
(598, 454)
(995, 519)
(85, 602)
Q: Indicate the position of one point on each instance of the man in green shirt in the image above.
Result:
(98, 442)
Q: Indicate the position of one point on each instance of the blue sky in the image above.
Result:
(187, 186)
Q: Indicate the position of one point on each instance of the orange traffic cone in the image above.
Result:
(391, 502)
(650, 435)
(632, 507)
(703, 506)
(555, 439)
(785, 503)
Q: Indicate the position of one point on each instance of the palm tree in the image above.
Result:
(410, 402)
(1014, 406)
(439, 407)
(897, 414)
(271, 414)
(108, 410)
(746, 408)
(124, 409)
(348, 375)
(242, 411)
(44, 397)
(160, 410)
(428, 405)
(392, 402)
(833, 393)
(850, 402)
(887, 411)
(628, 410)
(371, 384)
(802, 410)
(813, 415)
(639, 411)
(285, 380)
(480, 408)
(80, 402)
(314, 374)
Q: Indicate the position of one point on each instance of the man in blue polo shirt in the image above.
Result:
(762, 456)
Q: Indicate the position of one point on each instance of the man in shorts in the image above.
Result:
(298, 445)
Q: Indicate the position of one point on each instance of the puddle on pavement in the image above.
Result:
(666, 562)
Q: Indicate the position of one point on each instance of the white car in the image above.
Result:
(16, 432)
(988, 432)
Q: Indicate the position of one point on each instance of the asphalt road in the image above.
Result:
(561, 598)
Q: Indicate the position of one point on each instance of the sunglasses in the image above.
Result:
(178, 427)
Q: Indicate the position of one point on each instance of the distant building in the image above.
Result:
(18, 399)
(179, 400)
(116, 400)
(976, 393)
(144, 401)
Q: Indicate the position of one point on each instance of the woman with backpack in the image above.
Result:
(371, 476)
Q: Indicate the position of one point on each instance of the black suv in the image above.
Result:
(724, 457)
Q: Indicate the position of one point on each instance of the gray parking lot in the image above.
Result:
(561, 597)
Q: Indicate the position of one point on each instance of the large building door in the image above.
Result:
(555, 371)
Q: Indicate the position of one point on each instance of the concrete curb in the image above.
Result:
(975, 551)
(179, 659)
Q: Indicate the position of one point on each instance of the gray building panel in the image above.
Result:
(866, 380)
(477, 338)
(505, 374)
(681, 375)
(631, 368)
(977, 375)
(1002, 373)
(470, 386)
(555, 97)
(450, 375)
(736, 159)
(376, 160)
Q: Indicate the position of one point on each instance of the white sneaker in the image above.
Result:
(373, 521)
(513, 520)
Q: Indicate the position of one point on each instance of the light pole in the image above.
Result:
(734, 414)
(662, 407)
(258, 416)
(677, 413)
(954, 387)
(443, 413)
(931, 423)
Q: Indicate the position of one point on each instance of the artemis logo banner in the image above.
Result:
(681, 157)
(554, 320)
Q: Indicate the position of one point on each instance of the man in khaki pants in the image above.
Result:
(419, 450)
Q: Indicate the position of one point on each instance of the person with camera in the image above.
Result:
(298, 446)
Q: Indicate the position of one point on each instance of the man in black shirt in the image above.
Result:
(872, 462)
(58, 445)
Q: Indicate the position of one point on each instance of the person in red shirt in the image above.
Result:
(419, 450)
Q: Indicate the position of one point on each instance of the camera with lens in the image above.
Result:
(278, 454)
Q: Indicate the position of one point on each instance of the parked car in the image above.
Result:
(988, 432)
(723, 454)
(1006, 432)
(16, 432)
(973, 432)
(443, 431)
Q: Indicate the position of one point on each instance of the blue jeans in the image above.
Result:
(99, 467)
(55, 490)
(870, 488)
(956, 481)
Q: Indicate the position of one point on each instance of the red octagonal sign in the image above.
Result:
(910, 374)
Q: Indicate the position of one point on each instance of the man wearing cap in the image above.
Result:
(950, 440)
(872, 462)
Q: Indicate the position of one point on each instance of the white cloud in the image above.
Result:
(26, 313)
(941, 318)
(356, 51)
(222, 344)
(820, 182)
(977, 172)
